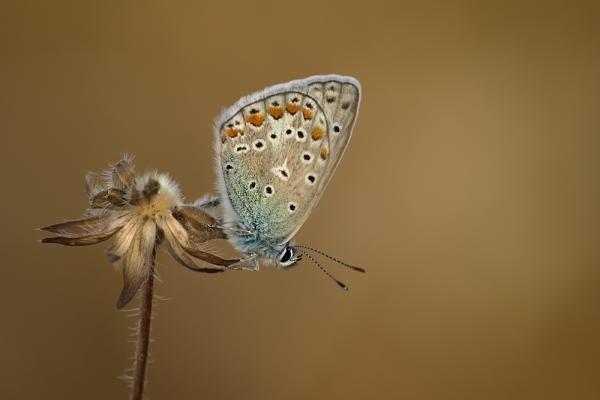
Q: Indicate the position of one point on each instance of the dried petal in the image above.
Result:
(108, 199)
(93, 184)
(209, 257)
(137, 261)
(173, 230)
(207, 201)
(123, 175)
(182, 258)
(197, 215)
(80, 240)
(79, 227)
(135, 196)
(125, 237)
(199, 225)
(177, 240)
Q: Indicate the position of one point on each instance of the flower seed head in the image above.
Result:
(159, 195)
(139, 212)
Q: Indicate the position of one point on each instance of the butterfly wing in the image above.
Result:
(277, 150)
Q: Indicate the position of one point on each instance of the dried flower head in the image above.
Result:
(141, 212)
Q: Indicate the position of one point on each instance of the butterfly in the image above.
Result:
(276, 150)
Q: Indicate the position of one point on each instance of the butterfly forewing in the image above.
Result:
(278, 149)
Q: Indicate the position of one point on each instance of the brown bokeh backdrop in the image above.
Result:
(470, 191)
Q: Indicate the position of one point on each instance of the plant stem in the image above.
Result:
(143, 336)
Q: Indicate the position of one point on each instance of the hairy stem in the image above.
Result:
(143, 336)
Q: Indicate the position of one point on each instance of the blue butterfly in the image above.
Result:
(276, 151)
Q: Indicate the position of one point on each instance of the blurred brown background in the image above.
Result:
(470, 191)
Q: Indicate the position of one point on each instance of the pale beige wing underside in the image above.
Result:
(291, 141)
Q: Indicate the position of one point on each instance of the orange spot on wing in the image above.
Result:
(317, 133)
(231, 132)
(223, 138)
(308, 114)
(324, 153)
(255, 119)
(275, 112)
(291, 108)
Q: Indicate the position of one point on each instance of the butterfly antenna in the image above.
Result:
(353, 267)
(340, 283)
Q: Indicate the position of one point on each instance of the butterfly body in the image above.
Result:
(276, 151)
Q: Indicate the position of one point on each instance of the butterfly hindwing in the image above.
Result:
(278, 148)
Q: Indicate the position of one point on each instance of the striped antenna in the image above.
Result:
(340, 284)
(353, 267)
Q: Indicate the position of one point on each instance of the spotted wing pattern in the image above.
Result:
(278, 148)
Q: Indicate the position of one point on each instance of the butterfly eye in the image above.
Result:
(269, 191)
(289, 131)
(287, 258)
(311, 178)
(287, 255)
(252, 185)
(241, 149)
(337, 128)
(228, 167)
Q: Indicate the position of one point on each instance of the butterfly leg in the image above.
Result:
(235, 231)
(249, 263)
(208, 201)
(210, 204)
